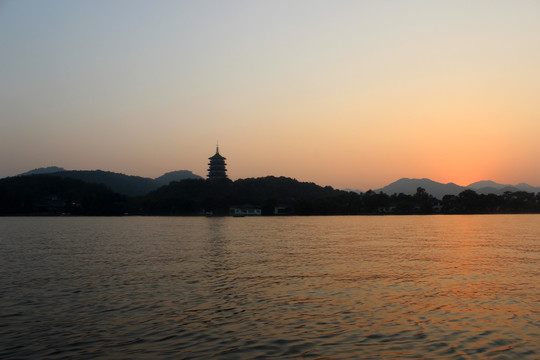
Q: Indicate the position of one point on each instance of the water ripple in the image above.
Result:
(430, 287)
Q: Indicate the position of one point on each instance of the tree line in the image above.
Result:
(55, 195)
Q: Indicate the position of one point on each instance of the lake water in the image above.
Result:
(368, 287)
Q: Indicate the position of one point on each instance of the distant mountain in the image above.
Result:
(43, 170)
(138, 186)
(484, 184)
(488, 190)
(491, 187)
(528, 188)
(178, 175)
(120, 183)
(409, 186)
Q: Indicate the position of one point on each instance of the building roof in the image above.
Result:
(217, 156)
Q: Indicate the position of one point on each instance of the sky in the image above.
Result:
(351, 94)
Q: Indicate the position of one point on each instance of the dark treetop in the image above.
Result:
(54, 195)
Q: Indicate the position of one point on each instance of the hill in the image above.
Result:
(191, 196)
(178, 175)
(123, 184)
(43, 170)
(408, 187)
(120, 183)
(438, 190)
(54, 195)
(491, 187)
(485, 184)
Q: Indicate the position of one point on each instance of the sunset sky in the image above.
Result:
(352, 94)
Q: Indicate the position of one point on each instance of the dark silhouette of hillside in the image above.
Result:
(53, 195)
(43, 170)
(178, 175)
(190, 197)
(123, 184)
(409, 186)
(196, 196)
(120, 183)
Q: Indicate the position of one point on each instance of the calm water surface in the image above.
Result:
(411, 287)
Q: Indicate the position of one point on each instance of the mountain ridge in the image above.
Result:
(131, 185)
(408, 186)
(43, 170)
(57, 195)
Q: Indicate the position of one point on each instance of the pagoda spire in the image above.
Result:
(217, 167)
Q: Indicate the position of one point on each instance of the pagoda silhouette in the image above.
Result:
(216, 167)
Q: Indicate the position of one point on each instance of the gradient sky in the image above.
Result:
(350, 94)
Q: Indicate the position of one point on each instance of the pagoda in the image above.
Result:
(216, 169)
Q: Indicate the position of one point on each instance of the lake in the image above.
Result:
(368, 287)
